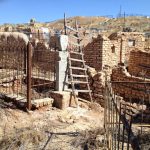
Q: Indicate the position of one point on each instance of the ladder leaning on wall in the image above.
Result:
(78, 73)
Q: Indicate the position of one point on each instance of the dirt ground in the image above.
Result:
(50, 128)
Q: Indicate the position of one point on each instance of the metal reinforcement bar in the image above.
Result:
(29, 64)
(133, 138)
(113, 125)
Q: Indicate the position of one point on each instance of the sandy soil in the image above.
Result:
(50, 128)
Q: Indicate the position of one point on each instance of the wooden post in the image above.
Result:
(121, 46)
(29, 69)
(65, 24)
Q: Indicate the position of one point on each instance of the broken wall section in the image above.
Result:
(129, 90)
(139, 63)
(97, 85)
(113, 49)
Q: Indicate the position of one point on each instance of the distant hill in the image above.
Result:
(138, 23)
(85, 22)
(141, 24)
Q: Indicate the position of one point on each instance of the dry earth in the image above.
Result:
(51, 128)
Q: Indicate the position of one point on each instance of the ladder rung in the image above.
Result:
(78, 68)
(83, 100)
(79, 60)
(82, 91)
(81, 76)
(78, 53)
(76, 82)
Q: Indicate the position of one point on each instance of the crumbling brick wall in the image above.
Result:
(97, 86)
(139, 62)
(102, 52)
(129, 90)
(132, 40)
(127, 41)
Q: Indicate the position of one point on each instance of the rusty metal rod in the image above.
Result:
(116, 126)
(130, 125)
(123, 135)
(111, 125)
(134, 141)
(29, 70)
(65, 24)
(119, 112)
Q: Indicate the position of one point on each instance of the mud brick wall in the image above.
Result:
(93, 53)
(129, 90)
(111, 53)
(102, 52)
(139, 62)
(125, 42)
(139, 42)
(45, 60)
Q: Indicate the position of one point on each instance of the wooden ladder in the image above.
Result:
(77, 69)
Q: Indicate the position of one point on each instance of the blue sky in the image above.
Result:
(20, 11)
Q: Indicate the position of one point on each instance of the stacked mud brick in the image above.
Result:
(45, 59)
(93, 53)
(102, 52)
(113, 49)
(131, 41)
(129, 90)
(139, 63)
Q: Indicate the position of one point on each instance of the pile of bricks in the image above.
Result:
(97, 85)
